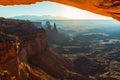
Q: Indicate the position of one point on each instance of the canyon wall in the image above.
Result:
(25, 54)
(19, 40)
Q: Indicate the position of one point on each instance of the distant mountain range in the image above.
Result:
(36, 18)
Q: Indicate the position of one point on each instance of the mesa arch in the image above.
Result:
(110, 8)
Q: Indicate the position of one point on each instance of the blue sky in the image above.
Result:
(48, 8)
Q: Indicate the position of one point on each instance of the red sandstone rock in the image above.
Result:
(102, 7)
(25, 54)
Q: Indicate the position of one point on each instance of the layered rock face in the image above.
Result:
(25, 55)
(8, 59)
(18, 41)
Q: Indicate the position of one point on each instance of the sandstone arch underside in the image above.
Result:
(109, 8)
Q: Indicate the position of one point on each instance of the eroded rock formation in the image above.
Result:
(25, 55)
(17, 43)
(104, 7)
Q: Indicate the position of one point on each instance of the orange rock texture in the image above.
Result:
(25, 54)
(109, 8)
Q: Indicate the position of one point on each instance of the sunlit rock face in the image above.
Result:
(19, 40)
(25, 55)
(104, 7)
(109, 8)
(8, 59)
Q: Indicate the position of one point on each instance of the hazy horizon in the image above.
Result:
(48, 8)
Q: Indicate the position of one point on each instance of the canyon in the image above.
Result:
(25, 54)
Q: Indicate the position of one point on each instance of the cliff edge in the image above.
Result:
(25, 55)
